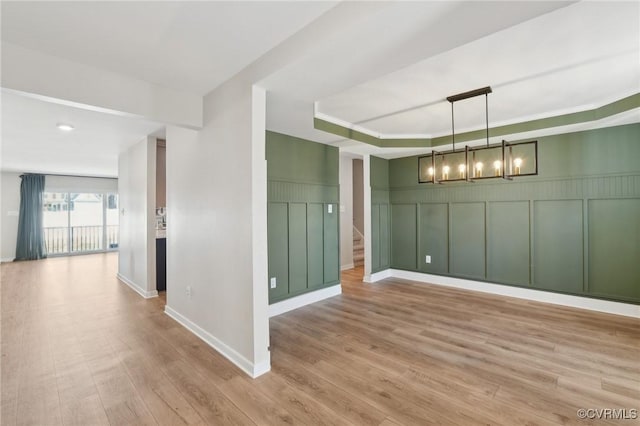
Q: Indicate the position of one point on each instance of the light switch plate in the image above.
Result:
(329, 208)
(427, 259)
(272, 282)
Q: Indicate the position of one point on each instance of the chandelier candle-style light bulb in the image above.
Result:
(445, 172)
(461, 168)
(497, 165)
(430, 171)
(518, 163)
(479, 166)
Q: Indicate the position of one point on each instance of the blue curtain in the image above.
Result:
(30, 245)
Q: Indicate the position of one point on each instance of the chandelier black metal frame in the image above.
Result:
(509, 160)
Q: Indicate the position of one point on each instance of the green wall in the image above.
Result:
(574, 228)
(380, 215)
(303, 236)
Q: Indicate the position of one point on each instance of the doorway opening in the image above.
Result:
(358, 213)
(352, 217)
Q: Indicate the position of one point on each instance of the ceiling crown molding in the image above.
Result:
(358, 133)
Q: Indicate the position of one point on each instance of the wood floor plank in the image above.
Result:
(81, 348)
(82, 412)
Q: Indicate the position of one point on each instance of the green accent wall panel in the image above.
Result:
(315, 244)
(403, 172)
(297, 247)
(331, 244)
(571, 229)
(403, 236)
(434, 238)
(614, 248)
(379, 196)
(468, 240)
(558, 245)
(375, 237)
(303, 238)
(278, 246)
(380, 214)
(508, 259)
(297, 160)
(380, 232)
(384, 241)
(302, 192)
(379, 173)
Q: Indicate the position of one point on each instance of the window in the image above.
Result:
(80, 222)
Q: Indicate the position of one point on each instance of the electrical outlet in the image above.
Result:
(187, 290)
(427, 259)
(272, 282)
(329, 208)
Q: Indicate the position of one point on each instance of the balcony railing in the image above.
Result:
(83, 239)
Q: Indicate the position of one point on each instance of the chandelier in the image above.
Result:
(502, 160)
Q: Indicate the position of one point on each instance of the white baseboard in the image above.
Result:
(253, 370)
(7, 259)
(303, 300)
(588, 303)
(377, 276)
(135, 287)
(347, 266)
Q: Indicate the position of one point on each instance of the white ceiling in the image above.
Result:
(575, 58)
(186, 45)
(386, 66)
(189, 46)
(31, 142)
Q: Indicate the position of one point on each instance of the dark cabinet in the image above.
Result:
(161, 264)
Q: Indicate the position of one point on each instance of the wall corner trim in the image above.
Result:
(138, 289)
(580, 302)
(251, 369)
(377, 276)
(303, 300)
(347, 266)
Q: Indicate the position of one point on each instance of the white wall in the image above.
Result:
(9, 208)
(216, 236)
(346, 211)
(136, 189)
(10, 201)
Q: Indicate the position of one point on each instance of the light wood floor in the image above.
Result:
(80, 348)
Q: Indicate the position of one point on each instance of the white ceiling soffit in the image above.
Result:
(378, 38)
(294, 117)
(31, 142)
(190, 46)
(575, 58)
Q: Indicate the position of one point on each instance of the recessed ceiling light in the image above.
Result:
(65, 127)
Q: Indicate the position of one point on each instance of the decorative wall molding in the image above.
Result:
(599, 186)
(253, 370)
(138, 289)
(588, 303)
(296, 302)
(285, 191)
